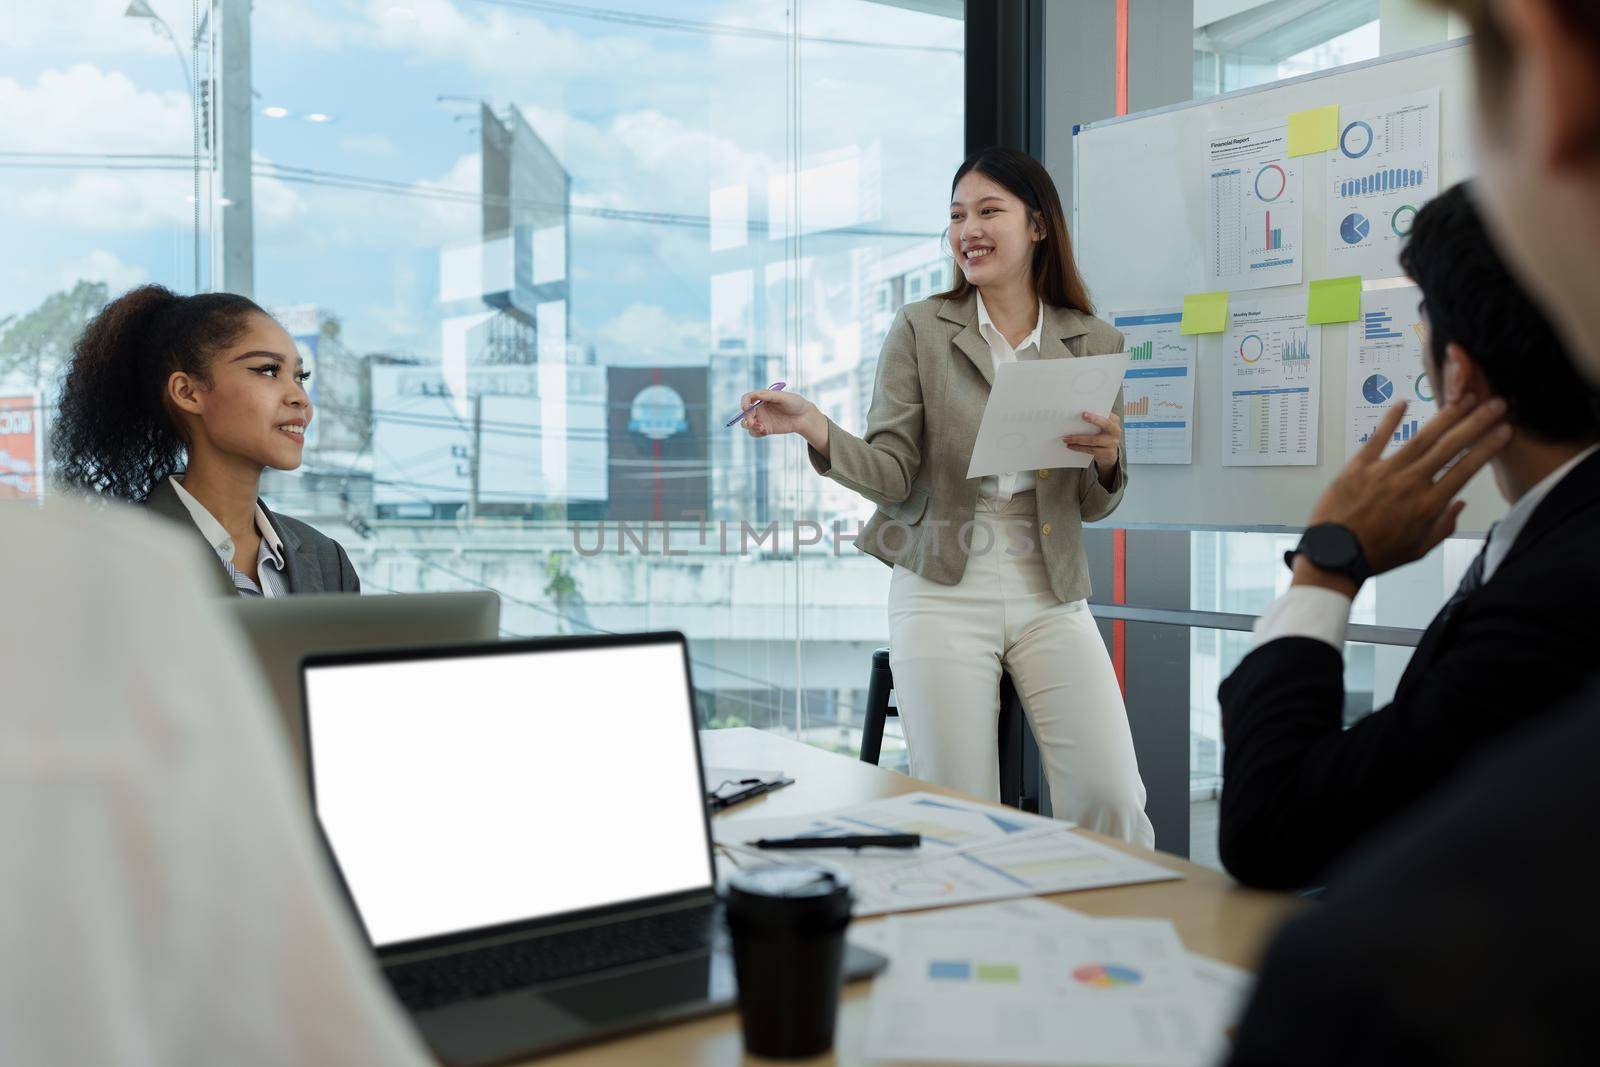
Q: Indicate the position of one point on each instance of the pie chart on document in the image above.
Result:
(1355, 228)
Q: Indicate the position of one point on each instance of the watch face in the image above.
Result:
(1331, 547)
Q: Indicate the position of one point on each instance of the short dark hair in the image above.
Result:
(114, 433)
(1473, 300)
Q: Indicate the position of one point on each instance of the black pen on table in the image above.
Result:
(842, 841)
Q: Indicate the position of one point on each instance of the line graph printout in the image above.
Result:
(1257, 210)
(1272, 384)
(1384, 367)
(1158, 388)
(1385, 167)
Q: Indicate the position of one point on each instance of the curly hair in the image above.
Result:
(1472, 299)
(114, 434)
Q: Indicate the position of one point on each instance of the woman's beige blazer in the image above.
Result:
(933, 382)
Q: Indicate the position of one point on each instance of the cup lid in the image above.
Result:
(793, 891)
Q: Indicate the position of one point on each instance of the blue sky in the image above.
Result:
(643, 118)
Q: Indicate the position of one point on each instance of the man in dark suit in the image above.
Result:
(1515, 639)
(1467, 933)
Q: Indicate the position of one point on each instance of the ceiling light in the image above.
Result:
(317, 116)
(275, 112)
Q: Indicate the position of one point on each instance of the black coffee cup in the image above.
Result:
(788, 926)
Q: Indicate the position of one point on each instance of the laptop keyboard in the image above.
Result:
(516, 965)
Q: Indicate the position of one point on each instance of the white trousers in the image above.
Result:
(949, 644)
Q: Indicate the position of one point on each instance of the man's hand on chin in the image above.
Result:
(1401, 507)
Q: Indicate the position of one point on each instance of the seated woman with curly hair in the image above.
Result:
(179, 403)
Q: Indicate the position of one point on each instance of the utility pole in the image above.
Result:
(235, 111)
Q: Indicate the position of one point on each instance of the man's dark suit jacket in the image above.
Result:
(1298, 790)
(1466, 934)
(312, 562)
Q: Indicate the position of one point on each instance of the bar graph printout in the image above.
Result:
(1272, 384)
(1385, 366)
(1158, 387)
(1386, 166)
(1257, 210)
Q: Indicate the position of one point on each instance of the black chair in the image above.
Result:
(1019, 754)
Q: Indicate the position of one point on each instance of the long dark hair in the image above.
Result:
(114, 434)
(1055, 272)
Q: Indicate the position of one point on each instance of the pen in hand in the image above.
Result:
(775, 387)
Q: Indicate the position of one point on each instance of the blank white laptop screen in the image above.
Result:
(470, 791)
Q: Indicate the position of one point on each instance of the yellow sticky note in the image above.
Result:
(1316, 130)
(1335, 300)
(1204, 313)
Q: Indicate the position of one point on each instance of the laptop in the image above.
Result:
(284, 630)
(521, 828)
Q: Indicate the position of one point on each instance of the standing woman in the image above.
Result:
(179, 403)
(989, 573)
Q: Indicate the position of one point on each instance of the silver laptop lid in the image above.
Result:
(462, 791)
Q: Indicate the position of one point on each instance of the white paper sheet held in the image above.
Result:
(1033, 404)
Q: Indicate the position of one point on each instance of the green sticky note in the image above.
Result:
(1204, 313)
(1335, 300)
(1316, 130)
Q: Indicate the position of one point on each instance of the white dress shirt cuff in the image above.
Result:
(1306, 611)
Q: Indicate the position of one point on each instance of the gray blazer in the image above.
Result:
(933, 381)
(312, 562)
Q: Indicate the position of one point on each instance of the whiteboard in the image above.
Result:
(1140, 234)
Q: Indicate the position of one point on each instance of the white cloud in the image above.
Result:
(100, 265)
(96, 27)
(84, 108)
(114, 201)
(646, 334)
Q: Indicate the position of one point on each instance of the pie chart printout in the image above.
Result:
(1107, 976)
(1355, 228)
(1377, 390)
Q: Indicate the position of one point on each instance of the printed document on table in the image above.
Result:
(1034, 865)
(1256, 210)
(1032, 405)
(1272, 384)
(1386, 166)
(1221, 990)
(1158, 388)
(969, 853)
(1385, 366)
(1103, 992)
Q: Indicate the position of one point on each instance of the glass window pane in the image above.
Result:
(1261, 42)
(539, 253)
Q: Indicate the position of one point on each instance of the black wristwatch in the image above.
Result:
(1332, 547)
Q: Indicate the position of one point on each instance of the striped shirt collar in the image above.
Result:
(212, 530)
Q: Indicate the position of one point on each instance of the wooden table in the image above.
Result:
(1214, 916)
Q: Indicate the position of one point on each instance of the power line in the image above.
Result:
(709, 29)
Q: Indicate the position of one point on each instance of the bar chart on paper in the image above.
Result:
(1384, 367)
(1257, 210)
(1158, 388)
(1272, 384)
(1384, 169)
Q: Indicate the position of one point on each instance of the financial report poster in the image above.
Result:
(1158, 388)
(1256, 208)
(1385, 367)
(1272, 384)
(1385, 167)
